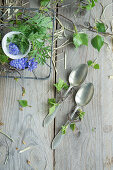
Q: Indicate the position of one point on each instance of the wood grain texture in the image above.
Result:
(89, 150)
(26, 125)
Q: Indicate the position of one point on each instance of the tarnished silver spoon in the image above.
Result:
(82, 98)
(76, 78)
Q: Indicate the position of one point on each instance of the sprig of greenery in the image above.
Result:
(52, 105)
(93, 64)
(44, 3)
(3, 57)
(52, 102)
(64, 128)
(81, 114)
(21, 41)
(36, 30)
(60, 85)
(90, 4)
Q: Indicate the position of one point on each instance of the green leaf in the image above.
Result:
(23, 103)
(18, 14)
(89, 62)
(72, 126)
(44, 2)
(81, 115)
(65, 86)
(3, 57)
(52, 103)
(96, 66)
(64, 128)
(97, 42)
(100, 27)
(80, 39)
(90, 5)
(52, 109)
(93, 64)
(60, 85)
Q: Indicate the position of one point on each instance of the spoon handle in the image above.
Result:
(49, 118)
(66, 93)
(59, 137)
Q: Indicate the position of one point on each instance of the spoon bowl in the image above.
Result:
(78, 75)
(84, 94)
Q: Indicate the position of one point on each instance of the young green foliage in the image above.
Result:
(21, 41)
(80, 39)
(36, 30)
(23, 103)
(3, 57)
(96, 66)
(90, 4)
(17, 15)
(64, 128)
(72, 126)
(93, 64)
(81, 114)
(52, 105)
(97, 42)
(100, 27)
(44, 3)
(60, 85)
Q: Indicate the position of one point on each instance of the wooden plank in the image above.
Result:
(90, 150)
(26, 125)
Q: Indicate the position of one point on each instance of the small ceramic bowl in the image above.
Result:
(5, 47)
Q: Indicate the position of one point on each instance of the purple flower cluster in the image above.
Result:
(13, 49)
(32, 64)
(19, 63)
(24, 63)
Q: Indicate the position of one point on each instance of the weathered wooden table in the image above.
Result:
(92, 149)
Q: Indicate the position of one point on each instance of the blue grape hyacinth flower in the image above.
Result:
(23, 63)
(19, 63)
(13, 49)
(32, 64)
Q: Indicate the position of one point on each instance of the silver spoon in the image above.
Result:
(76, 78)
(82, 98)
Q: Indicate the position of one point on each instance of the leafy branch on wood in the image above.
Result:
(100, 28)
(36, 30)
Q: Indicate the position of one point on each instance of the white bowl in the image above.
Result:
(6, 49)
